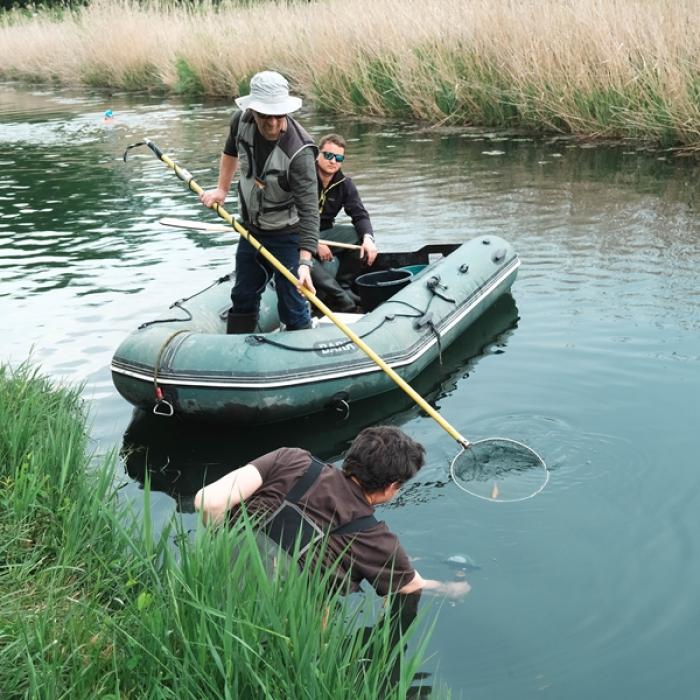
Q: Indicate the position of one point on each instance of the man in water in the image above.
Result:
(290, 487)
(276, 199)
(337, 191)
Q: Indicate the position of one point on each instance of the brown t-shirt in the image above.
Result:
(332, 500)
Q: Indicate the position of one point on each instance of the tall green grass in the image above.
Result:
(95, 603)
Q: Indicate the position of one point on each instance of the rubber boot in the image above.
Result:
(240, 323)
(329, 291)
(351, 295)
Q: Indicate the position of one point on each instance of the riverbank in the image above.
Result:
(598, 68)
(95, 604)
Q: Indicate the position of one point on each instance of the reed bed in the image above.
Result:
(602, 68)
(94, 603)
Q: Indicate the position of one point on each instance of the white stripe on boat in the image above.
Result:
(368, 368)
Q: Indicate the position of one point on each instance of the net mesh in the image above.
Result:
(499, 469)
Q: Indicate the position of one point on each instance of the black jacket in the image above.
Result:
(341, 193)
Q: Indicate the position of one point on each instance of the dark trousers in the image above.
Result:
(332, 279)
(253, 272)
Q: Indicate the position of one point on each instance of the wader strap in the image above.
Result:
(357, 525)
(289, 524)
(304, 482)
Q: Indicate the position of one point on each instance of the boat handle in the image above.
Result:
(164, 408)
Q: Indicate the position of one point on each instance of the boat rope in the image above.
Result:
(163, 407)
(433, 285)
(420, 312)
(426, 321)
(179, 304)
(263, 339)
(423, 316)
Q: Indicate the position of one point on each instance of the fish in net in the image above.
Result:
(500, 470)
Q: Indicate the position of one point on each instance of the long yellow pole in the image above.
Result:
(187, 178)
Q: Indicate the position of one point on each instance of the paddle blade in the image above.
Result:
(194, 225)
(500, 470)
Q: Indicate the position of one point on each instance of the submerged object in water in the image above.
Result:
(463, 562)
(188, 366)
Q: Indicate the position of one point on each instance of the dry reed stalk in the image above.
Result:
(593, 66)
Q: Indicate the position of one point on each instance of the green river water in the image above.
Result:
(585, 590)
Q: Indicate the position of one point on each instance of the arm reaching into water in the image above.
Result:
(216, 499)
(450, 589)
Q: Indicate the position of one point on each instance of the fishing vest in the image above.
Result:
(265, 199)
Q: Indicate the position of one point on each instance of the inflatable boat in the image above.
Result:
(415, 305)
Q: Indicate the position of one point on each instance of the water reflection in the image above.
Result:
(178, 456)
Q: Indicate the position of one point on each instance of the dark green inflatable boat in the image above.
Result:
(184, 363)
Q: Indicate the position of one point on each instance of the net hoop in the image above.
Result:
(529, 449)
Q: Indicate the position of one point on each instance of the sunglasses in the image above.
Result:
(329, 156)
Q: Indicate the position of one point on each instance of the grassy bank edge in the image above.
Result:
(95, 604)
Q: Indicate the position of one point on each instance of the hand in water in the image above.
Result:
(455, 589)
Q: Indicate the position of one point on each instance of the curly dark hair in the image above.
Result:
(381, 455)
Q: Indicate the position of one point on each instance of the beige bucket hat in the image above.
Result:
(269, 94)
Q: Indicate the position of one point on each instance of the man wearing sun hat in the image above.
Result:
(277, 200)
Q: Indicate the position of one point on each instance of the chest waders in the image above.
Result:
(289, 524)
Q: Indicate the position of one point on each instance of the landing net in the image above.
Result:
(500, 470)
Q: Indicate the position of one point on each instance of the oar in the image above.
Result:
(203, 226)
(499, 443)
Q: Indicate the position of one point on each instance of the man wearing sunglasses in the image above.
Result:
(277, 200)
(337, 191)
